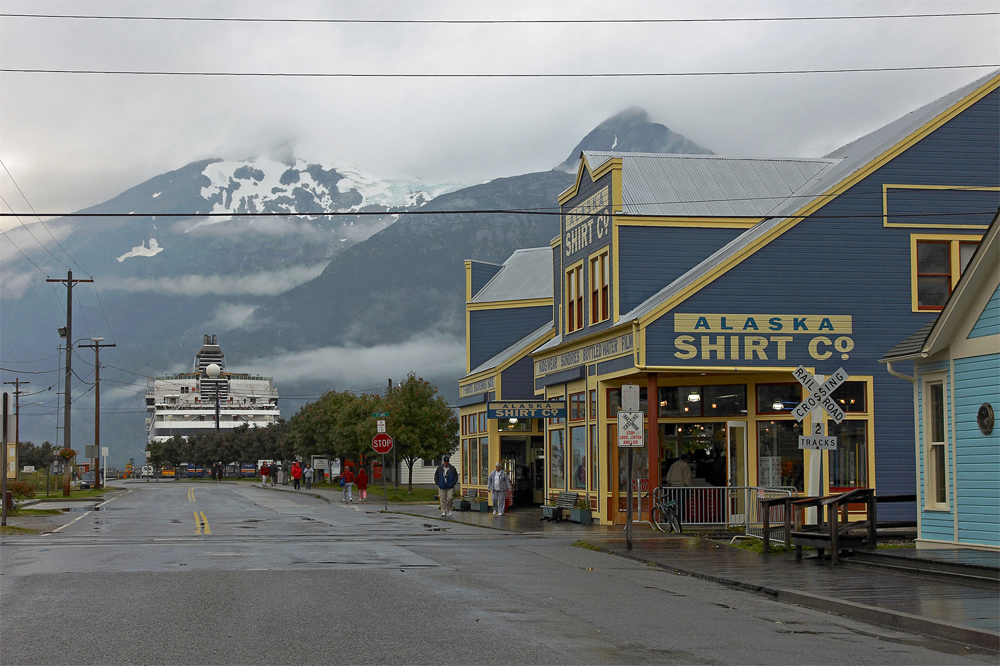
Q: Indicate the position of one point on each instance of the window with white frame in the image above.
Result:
(935, 446)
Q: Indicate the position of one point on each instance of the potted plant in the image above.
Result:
(581, 513)
(480, 504)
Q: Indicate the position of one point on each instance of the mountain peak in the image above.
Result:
(631, 131)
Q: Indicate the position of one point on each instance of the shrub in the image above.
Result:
(21, 489)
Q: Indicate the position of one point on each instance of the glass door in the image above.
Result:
(736, 481)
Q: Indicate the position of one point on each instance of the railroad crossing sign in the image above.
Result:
(630, 429)
(382, 443)
(819, 399)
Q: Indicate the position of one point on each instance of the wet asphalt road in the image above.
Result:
(227, 573)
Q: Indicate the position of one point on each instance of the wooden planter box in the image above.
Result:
(582, 516)
(461, 505)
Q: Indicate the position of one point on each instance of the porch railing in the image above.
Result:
(733, 506)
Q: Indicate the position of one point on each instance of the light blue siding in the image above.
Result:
(937, 525)
(989, 321)
(977, 380)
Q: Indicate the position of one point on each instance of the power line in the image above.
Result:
(28, 231)
(414, 75)
(613, 21)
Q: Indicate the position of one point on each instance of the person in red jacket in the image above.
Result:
(362, 480)
(296, 474)
(265, 472)
(347, 479)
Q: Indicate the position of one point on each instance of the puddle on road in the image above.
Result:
(80, 509)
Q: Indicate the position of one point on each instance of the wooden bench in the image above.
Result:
(834, 531)
(559, 510)
(464, 503)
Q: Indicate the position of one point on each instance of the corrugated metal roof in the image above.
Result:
(852, 158)
(512, 351)
(707, 185)
(526, 274)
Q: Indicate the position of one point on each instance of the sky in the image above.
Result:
(71, 140)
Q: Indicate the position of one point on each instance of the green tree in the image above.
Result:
(36, 456)
(421, 423)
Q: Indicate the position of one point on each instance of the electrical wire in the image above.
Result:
(613, 21)
(480, 75)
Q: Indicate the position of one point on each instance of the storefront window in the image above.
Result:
(778, 398)
(780, 462)
(482, 422)
(640, 465)
(578, 443)
(851, 396)
(557, 459)
(730, 400)
(704, 442)
(473, 462)
(484, 458)
(593, 404)
(465, 461)
(677, 401)
(576, 407)
(514, 425)
(594, 458)
(615, 402)
(472, 424)
(849, 463)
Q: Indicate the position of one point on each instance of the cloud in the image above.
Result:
(14, 283)
(368, 366)
(228, 316)
(265, 283)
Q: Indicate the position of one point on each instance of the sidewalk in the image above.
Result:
(942, 608)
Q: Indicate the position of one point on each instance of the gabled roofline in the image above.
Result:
(710, 269)
(595, 175)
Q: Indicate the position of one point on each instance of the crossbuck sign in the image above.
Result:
(630, 429)
(819, 399)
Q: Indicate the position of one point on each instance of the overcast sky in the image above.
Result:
(74, 140)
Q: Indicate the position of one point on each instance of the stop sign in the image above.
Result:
(382, 443)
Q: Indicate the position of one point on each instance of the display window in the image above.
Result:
(578, 457)
(780, 462)
(557, 459)
(778, 398)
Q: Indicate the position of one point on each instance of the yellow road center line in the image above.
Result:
(197, 523)
(190, 494)
(204, 519)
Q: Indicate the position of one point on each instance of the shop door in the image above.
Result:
(736, 481)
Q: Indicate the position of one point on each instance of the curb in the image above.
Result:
(966, 635)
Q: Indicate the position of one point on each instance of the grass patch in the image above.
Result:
(419, 495)
(10, 529)
(37, 512)
(587, 546)
(890, 546)
(757, 546)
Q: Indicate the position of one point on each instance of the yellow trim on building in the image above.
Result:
(506, 305)
(885, 205)
(695, 222)
(953, 253)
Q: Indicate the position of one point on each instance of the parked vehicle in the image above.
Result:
(87, 480)
(147, 472)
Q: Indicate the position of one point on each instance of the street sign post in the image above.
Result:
(630, 436)
(382, 443)
(380, 425)
(818, 400)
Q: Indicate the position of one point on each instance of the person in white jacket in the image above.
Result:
(498, 484)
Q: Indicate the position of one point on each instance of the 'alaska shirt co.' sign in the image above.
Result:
(519, 409)
(588, 222)
(761, 337)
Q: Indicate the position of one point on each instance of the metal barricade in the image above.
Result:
(732, 506)
(776, 514)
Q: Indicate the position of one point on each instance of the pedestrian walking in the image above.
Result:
(498, 484)
(362, 480)
(275, 469)
(265, 474)
(445, 476)
(296, 475)
(307, 476)
(347, 480)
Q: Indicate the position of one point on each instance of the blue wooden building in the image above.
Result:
(956, 391)
(707, 280)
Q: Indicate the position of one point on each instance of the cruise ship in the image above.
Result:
(186, 403)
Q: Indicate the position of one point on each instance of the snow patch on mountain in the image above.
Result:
(142, 251)
(266, 185)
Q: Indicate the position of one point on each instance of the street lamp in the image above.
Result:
(213, 371)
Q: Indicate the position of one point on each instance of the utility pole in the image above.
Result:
(17, 422)
(68, 396)
(97, 406)
(3, 474)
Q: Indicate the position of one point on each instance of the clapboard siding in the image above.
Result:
(937, 525)
(518, 381)
(842, 260)
(650, 258)
(492, 331)
(482, 272)
(978, 455)
(989, 321)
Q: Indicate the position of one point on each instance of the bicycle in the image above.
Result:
(666, 515)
